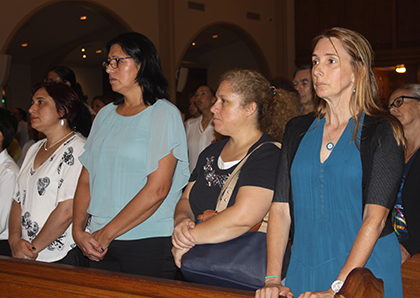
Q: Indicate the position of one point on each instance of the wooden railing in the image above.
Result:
(22, 278)
(411, 277)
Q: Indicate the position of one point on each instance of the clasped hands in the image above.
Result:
(182, 240)
(94, 246)
(22, 249)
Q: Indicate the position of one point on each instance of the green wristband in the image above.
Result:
(271, 276)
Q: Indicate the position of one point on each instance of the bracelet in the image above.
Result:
(271, 276)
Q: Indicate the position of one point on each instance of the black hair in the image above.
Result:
(23, 114)
(303, 67)
(149, 77)
(8, 127)
(67, 75)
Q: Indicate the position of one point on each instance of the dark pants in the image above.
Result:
(5, 248)
(149, 257)
(74, 257)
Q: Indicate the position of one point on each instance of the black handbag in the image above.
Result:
(239, 263)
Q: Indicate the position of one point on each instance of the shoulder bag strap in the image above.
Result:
(227, 189)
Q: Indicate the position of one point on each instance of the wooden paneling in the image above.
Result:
(391, 26)
(407, 23)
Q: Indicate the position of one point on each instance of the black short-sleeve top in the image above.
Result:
(259, 170)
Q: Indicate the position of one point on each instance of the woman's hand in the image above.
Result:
(181, 237)
(90, 247)
(102, 239)
(22, 249)
(178, 253)
(324, 294)
(273, 289)
(405, 255)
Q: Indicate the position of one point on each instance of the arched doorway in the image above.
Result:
(211, 52)
(70, 33)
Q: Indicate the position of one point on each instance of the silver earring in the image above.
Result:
(354, 90)
(62, 122)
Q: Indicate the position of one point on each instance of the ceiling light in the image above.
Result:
(215, 36)
(84, 56)
(400, 68)
(83, 50)
(193, 43)
(98, 51)
(83, 18)
(24, 45)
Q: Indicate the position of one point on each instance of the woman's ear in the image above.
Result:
(62, 112)
(251, 108)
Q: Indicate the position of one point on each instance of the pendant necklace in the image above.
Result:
(45, 144)
(330, 145)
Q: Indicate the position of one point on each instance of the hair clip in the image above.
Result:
(273, 90)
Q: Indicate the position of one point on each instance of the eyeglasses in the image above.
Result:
(399, 101)
(114, 62)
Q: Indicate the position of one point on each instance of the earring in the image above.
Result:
(62, 122)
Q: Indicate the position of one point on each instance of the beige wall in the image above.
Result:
(171, 25)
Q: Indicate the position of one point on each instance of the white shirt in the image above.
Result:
(38, 191)
(8, 175)
(198, 139)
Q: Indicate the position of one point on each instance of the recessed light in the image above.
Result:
(24, 45)
(83, 18)
(98, 51)
(84, 56)
(193, 43)
(215, 36)
(83, 50)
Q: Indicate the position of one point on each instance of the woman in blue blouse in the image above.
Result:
(135, 166)
(338, 176)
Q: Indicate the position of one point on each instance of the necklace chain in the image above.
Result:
(45, 144)
(330, 145)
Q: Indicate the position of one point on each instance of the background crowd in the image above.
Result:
(121, 185)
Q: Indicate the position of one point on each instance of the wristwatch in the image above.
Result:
(336, 286)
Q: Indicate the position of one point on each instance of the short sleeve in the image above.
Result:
(387, 167)
(260, 168)
(69, 170)
(167, 133)
(8, 178)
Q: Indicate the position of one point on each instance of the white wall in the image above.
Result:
(90, 87)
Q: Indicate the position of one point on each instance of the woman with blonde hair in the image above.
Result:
(338, 175)
(404, 104)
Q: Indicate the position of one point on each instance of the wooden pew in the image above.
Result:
(411, 277)
(23, 278)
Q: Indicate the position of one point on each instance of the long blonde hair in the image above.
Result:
(365, 97)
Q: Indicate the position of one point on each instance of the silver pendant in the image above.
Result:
(330, 146)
